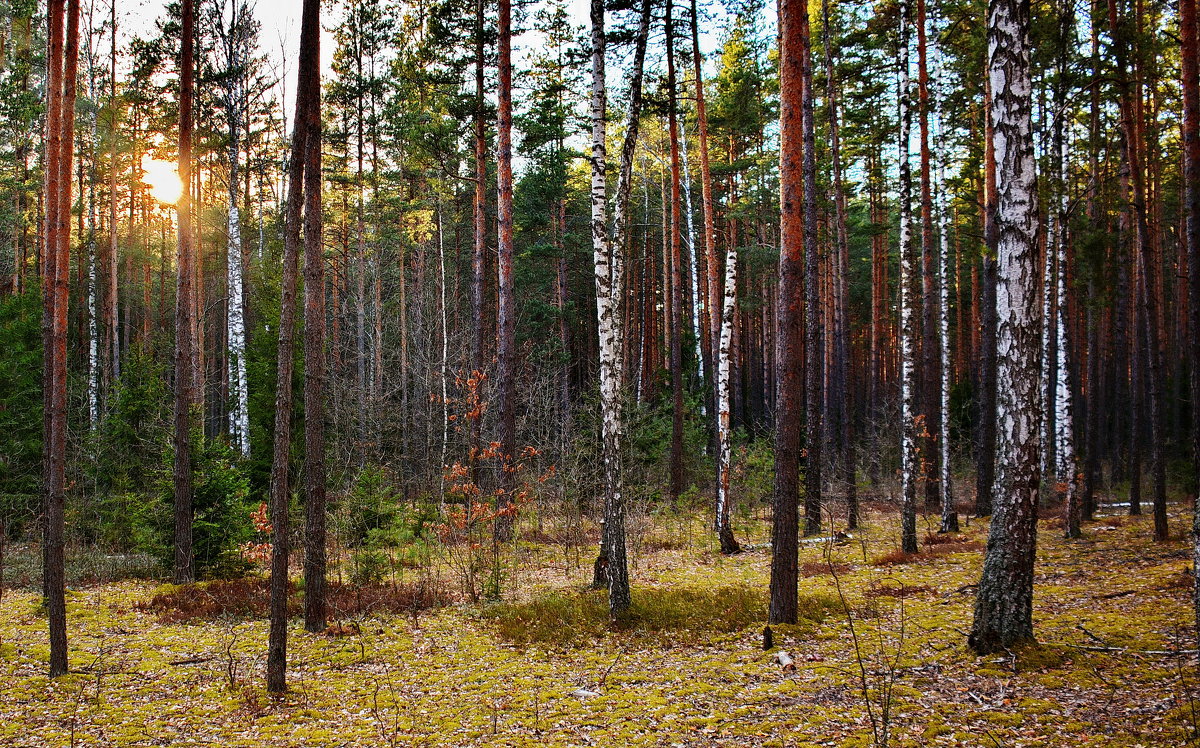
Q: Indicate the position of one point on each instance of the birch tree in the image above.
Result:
(235, 30)
(949, 519)
(506, 314)
(611, 565)
(1004, 602)
(236, 35)
(911, 424)
(729, 544)
(1064, 468)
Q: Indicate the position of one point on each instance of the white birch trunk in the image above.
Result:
(92, 311)
(724, 392)
(1064, 437)
(442, 375)
(1004, 603)
(910, 428)
(607, 275)
(698, 306)
(949, 515)
(239, 413)
(235, 329)
(93, 388)
(1049, 360)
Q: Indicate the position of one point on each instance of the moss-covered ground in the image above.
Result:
(688, 669)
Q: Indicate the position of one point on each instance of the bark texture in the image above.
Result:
(185, 311)
(611, 565)
(784, 571)
(911, 422)
(1004, 603)
(280, 492)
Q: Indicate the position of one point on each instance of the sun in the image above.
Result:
(163, 180)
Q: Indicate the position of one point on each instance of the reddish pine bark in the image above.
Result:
(784, 570)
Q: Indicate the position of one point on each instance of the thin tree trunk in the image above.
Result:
(949, 521)
(1065, 468)
(185, 311)
(306, 77)
(1147, 295)
(989, 322)
(506, 295)
(61, 76)
(112, 369)
(696, 275)
(239, 415)
(611, 565)
(840, 379)
(814, 366)
(675, 487)
(479, 245)
(1191, 164)
(784, 562)
(712, 304)
(314, 347)
(1004, 603)
(929, 380)
(910, 418)
(729, 544)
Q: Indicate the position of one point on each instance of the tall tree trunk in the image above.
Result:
(814, 365)
(675, 488)
(1191, 164)
(712, 304)
(611, 565)
(949, 521)
(112, 347)
(307, 78)
(784, 562)
(840, 378)
(985, 477)
(929, 381)
(1146, 295)
(910, 417)
(505, 294)
(1065, 469)
(314, 347)
(479, 240)
(239, 415)
(696, 280)
(185, 313)
(1004, 603)
(61, 75)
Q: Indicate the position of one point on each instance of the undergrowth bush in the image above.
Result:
(571, 617)
(221, 507)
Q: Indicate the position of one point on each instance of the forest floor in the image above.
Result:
(1110, 610)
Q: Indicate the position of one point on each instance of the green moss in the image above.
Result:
(1005, 719)
(1036, 657)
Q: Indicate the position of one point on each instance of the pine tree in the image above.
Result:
(784, 571)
